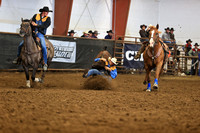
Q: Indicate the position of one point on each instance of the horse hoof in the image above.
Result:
(37, 79)
(155, 86)
(41, 81)
(148, 90)
(28, 84)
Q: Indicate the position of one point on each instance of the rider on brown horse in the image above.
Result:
(146, 43)
(40, 23)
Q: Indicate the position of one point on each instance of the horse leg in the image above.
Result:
(149, 80)
(157, 75)
(28, 83)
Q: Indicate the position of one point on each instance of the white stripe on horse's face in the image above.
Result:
(151, 40)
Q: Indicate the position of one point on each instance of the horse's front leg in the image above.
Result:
(147, 78)
(35, 67)
(28, 83)
(157, 75)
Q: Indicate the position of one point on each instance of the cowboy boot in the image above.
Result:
(16, 61)
(140, 52)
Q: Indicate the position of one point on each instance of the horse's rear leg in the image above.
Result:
(28, 83)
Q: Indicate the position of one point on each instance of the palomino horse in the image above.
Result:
(153, 57)
(31, 56)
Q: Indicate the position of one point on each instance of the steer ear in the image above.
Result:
(157, 26)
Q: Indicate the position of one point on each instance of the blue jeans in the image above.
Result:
(167, 41)
(44, 49)
(93, 71)
(19, 48)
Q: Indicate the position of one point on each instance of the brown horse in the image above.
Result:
(102, 54)
(100, 64)
(153, 57)
(31, 56)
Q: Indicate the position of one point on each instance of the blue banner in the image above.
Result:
(130, 50)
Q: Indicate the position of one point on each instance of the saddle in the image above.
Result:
(38, 42)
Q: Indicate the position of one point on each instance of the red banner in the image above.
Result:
(0, 2)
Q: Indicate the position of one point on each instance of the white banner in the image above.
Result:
(64, 51)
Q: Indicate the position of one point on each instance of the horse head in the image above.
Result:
(25, 28)
(153, 35)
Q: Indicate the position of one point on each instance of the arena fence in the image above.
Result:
(76, 54)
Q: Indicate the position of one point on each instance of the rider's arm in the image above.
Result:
(46, 24)
(97, 59)
(113, 71)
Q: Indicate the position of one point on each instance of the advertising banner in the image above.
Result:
(64, 51)
(130, 50)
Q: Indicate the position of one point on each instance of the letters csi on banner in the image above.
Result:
(130, 50)
(64, 51)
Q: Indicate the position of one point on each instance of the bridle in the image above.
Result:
(154, 42)
(26, 30)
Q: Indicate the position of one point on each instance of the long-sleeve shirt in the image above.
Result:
(194, 52)
(43, 25)
(113, 72)
(144, 33)
(166, 36)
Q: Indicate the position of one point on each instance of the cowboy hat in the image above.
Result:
(143, 25)
(114, 60)
(110, 31)
(95, 32)
(167, 28)
(90, 31)
(172, 29)
(196, 44)
(189, 40)
(72, 31)
(45, 9)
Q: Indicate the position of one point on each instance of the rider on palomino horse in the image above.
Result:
(40, 23)
(110, 68)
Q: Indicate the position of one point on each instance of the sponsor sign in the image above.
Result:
(130, 50)
(64, 51)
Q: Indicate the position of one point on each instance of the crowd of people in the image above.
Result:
(91, 34)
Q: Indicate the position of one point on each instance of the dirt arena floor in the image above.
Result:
(62, 105)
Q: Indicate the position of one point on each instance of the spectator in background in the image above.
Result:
(172, 36)
(71, 33)
(90, 34)
(188, 46)
(194, 52)
(85, 34)
(144, 33)
(166, 36)
(95, 34)
(110, 35)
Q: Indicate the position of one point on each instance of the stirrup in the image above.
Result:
(16, 60)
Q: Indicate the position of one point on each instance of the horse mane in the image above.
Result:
(26, 20)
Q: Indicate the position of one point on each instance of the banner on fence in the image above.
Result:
(64, 51)
(130, 50)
